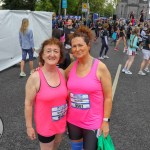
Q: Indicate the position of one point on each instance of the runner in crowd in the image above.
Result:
(42, 90)
(98, 28)
(104, 39)
(142, 16)
(131, 51)
(69, 29)
(59, 34)
(27, 46)
(122, 36)
(129, 32)
(146, 54)
(132, 18)
(90, 89)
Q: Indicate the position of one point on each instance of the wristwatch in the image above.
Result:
(106, 119)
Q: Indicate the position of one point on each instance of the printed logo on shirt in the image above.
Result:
(59, 112)
(80, 101)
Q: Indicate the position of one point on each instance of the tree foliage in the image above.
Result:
(74, 6)
(109, 10)
(19, 4)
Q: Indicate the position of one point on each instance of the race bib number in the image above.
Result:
(80, 101)
(59, 112)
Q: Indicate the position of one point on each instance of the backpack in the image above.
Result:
(131, 42)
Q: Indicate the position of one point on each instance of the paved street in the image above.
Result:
(130, 120)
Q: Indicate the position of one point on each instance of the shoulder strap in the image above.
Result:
(133, 41)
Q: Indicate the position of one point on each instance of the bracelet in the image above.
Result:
(106, 119)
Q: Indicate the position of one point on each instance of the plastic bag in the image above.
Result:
(114, 36)
(105, 143)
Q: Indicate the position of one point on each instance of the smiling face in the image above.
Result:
(79, 47)
(51, 54)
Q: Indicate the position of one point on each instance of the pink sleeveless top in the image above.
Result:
(50, 107)
(86, 99)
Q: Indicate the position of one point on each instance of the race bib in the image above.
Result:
(80, 101)
(59, 112)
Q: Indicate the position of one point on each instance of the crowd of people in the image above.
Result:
(73, 90)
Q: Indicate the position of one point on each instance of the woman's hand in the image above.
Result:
(105, 128)
(31, 133)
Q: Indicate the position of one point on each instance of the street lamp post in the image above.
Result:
(87, 13)
(59, 12)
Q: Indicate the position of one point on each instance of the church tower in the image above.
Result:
(125, 7)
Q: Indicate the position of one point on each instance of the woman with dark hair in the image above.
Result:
(132, 18)
(46, 90)
(122, 36)
(142, 16)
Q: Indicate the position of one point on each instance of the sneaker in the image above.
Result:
(100, 57)
(128, 72)
(105, 56)
(136, 53)
(141, 73)
(125, 49)
(116, 49)
(147, 70)
(22, 74)
(124, 70)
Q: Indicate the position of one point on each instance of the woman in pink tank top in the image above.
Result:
(46, 90)
(90, 89)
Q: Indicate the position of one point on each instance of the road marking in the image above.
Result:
(116, 81)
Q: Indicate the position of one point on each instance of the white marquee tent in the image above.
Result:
(10, 22)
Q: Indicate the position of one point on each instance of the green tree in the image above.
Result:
(109, 10)
(45, 5)
(74, 6)
(19, 4)
(53, 5)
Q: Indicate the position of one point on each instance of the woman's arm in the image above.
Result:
(30, 93)
(31, 39)
(105, 77)
(20, 39)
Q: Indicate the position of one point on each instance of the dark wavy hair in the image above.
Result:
(51, 41)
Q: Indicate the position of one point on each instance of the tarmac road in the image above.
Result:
(130, 119)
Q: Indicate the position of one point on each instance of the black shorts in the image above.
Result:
(141, 20)
(44, 139)
(121, 34)
(89, 136)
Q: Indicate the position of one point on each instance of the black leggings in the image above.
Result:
(44, 139)
(89, 136)
(102, 49)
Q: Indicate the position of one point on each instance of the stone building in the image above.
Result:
(125, 7)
